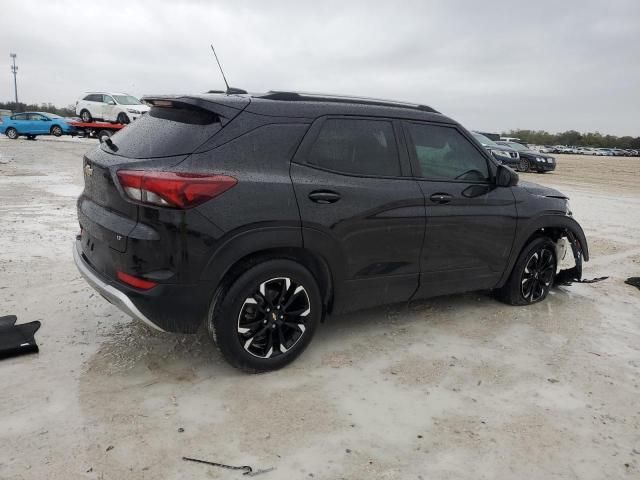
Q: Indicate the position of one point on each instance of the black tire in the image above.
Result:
(56, 131)
(249, 322)
(123, 118)
(533, 274)
(86, 116)
(103, 135)
(524, 165)
(12, 133)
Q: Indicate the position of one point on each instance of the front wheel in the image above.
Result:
(12, 133)
(123, 118)
(266, 317)
(56, 131)
(533, 274)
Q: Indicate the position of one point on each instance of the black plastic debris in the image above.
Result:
(246, 469)
(633, 281)
(17, 339)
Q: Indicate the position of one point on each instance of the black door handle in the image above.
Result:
(440, 198)
(324, 196)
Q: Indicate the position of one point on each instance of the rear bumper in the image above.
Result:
(113, 295)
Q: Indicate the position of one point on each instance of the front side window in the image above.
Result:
(443, 153)
(356, 146)
(35, 116)
(108, 99)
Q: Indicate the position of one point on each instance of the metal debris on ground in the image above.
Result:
(17, 339)
(248, 471)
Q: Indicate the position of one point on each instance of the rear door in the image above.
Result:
(20, 122)
(471, 223)
(360, 209)
(109, 108)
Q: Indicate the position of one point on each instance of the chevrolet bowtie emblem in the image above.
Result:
(88, 170)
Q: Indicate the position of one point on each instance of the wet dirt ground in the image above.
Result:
(458, 387)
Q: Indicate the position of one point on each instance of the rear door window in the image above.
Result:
(20, 116)
(165, 132)
(356, 146)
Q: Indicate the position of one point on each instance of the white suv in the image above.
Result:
(110, 107)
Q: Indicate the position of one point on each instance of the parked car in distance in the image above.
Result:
(110, 107)
(33, 124)
(503, 154)
(530, 160)
(257, 215)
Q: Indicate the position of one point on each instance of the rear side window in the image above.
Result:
(165, 132)
(93, 98)
(356, 146)
(443, 153)
(20, 116)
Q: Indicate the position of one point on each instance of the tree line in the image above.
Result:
(68, 111)
(536, 137)
(574, 139)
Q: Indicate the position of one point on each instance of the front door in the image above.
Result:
(471, 223)
(360, 209)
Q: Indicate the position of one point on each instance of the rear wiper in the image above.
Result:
(110, 144)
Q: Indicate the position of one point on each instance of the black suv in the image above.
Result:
(256, 215)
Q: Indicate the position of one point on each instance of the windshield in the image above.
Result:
(127, 100)
(484, 140)
(517, 146)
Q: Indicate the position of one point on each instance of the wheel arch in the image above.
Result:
(553, 226)
(246, 249)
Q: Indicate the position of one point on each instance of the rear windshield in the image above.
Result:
(165, 132)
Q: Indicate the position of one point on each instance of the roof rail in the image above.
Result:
(317, 97)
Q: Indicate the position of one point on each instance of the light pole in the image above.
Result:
(14, 70)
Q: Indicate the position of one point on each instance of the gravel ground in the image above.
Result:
(458, 387)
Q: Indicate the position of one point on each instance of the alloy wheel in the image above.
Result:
(523, 166)
(86, 117)
(538, 275)
(12, 133)
(273, 319)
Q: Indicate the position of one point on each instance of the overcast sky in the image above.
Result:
(491, 65)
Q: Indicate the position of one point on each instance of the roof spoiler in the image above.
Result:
(224, 106)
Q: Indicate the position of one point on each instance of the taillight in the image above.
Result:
(136, 282)
(173, 189)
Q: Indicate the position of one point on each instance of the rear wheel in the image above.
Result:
(123, 118)
(524, 165)
(86, 116)
(266, 317)
(12, 133)
(56, 131)
(533, 274)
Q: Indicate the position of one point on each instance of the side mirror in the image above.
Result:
(506, 177)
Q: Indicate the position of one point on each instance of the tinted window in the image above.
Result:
(20, 116)
(94, 98)
(35, 116)
(443, 153)
(365, 147)
(165, 132)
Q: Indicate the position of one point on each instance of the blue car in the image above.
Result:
(32, 124)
